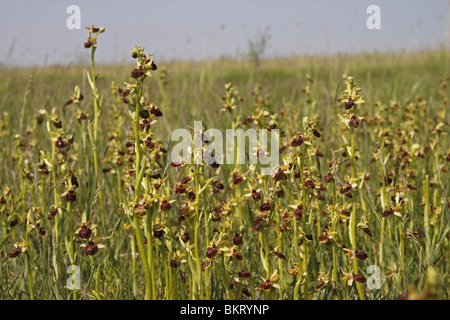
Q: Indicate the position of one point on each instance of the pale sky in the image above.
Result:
(35, 32)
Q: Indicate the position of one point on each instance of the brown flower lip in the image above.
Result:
(237, 255)
(266, 285)
(349, 104)
(85, 232)
(359, 278)
(237, 240)
(211, 252)
(354, 122)
(237, 178)
(91, 249)
(279, 255)
(185, 237)
(345, 188)
(256, 195)
(137, 73)
(280, 175)
(361, 255)
(71, 196)
(244, 274)
(165, 205)
(265, 207)
(15, 252)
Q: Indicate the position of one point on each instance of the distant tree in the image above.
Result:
(258, 46)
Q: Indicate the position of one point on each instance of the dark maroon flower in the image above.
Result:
(367, 231)
(237, 178)
(211, 252)
(137, 73)
(185, 180)
(345, 213)
(175, 263)
(185, 237)
(345, 188)
(15, 252)
(309, 184)
(245, 292)
(320, 284)
(316, 133)
(387, 213)
(298, 212)
(256, 195)
(354, 122)
(85, 232)
(297, 142)
(91, 249)
(41, 231)
(158, 231)
(237, 255)
(244, 274)
(266, 285)
(359, 278)
(237, 240)
(279, 255)
(361, 255)
(156, 112)
(165, 205)
(60, 143)
(71, 196)
(265, 206)
(349, 104)
(280, 175)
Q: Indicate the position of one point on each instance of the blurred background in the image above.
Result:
(34, 33)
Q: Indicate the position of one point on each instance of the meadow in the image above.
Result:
(92, 206)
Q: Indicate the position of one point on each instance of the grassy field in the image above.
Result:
(361, 187)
